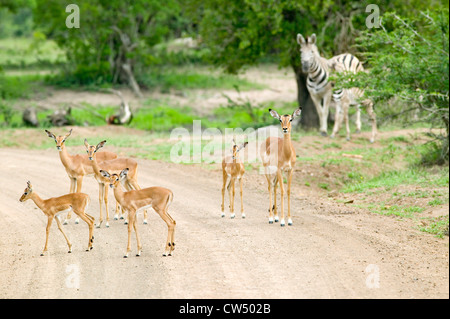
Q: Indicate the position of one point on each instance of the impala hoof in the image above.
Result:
(282, 223)
(290, 222)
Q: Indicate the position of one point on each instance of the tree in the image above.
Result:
(242, 32)
(113, 39)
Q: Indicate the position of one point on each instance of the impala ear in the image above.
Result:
(300, 39)
(50, 134)
(275, 114)
(104, 173)
(124, 173)
(242, 146)
(100, 145)
(86, 143)
(67, 135)
(296, 113)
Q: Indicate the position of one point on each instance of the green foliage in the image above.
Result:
(409, 61)
(111, 34)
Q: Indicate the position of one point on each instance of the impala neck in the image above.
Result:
(118, 193)
(65, 157)
(287, 150)
(95, 166)
(38, 201)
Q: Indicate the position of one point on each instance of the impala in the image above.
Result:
(77, 166)
(114, 166)
(233, 168)
(278, 155)
(136, 200)
(52, 207)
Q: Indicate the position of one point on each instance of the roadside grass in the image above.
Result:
(181, 79)
(437, 226)
(387, 179)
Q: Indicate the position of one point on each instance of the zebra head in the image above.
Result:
(308, 51)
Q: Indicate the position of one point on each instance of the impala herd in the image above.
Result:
(111, 171)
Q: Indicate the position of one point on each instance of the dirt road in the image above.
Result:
(329, 252)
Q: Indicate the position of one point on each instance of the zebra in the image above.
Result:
(321, 89)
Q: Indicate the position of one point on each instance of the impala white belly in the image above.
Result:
(144, 208)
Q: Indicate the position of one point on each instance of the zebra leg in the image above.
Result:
(338, 117)
(373, 118)
(325, 110)
(347, 124)
(318, 104)
(358, 119)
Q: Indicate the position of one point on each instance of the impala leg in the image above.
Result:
(229, 187)
(116, 211)
(101, 190)
(171, 228)
(105, 198)
(79, 183)
(232, 200)
(241, 183)
(224, 179)
(90, 222)
(275, 210)
(62, 231)
(280, 182)
(131, 216)
(172, 237)
(73, 182)
(47, 231)
(270, 184)
(139, 246)
(289, 196)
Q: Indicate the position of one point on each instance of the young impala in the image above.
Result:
(113, 166)
(52, 207)
(233, 168)
(135, 200)
(278, 155)
(77, 166)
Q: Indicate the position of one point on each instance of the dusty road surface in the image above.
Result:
(329, 252)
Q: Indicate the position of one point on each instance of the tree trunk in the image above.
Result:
(309, 118)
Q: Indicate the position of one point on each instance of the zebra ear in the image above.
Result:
(300, 39)
(312, 39)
